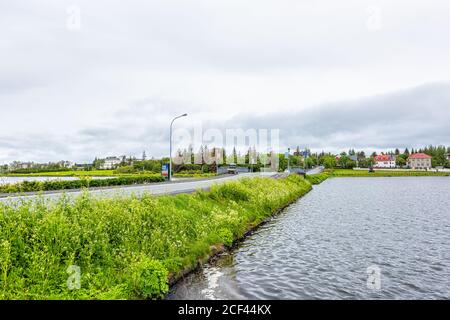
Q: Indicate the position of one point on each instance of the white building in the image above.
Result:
(384, 161)
(110, 163)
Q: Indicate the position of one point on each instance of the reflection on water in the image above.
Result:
(332, 244)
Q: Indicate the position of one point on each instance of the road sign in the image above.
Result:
(165, 170)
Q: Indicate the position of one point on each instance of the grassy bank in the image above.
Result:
(317, 178)
(69, 173)
(48, 185)
(127, 247)
(384, 173)
(320, 177)
(106, 173)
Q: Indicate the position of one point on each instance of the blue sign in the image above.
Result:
(165, 170)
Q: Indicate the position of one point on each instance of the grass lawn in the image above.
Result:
(384, 173)
(72, 173)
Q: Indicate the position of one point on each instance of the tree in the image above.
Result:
(235, 157)
(309, 162)
(346, 162)
(144, 156)
(328, 161)
(400, 161)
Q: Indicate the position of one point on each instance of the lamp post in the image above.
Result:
(170, 154)
(288, 159)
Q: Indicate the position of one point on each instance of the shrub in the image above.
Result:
(148, 278)
(83, 182)
(226, 236)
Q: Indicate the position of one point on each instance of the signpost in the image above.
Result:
(165, 170)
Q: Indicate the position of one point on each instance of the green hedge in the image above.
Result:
(127, 248)
(47, 185)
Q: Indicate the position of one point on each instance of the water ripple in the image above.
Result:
(322, 246)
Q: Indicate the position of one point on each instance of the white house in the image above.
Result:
(110, 163)
(384, 161)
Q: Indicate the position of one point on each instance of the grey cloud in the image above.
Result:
(413, 117)
(113, 86)
(410, 118)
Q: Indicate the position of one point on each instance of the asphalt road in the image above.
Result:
(156, 188)
(315, 170)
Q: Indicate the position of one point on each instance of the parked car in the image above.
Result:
(232, 168)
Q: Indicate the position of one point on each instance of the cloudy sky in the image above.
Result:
(81, 79)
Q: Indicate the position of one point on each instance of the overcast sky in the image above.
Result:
(82, 79)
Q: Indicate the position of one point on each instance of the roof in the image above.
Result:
(384, 157)
(419, 156)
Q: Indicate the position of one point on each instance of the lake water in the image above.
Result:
(6, 180)
(349, 238)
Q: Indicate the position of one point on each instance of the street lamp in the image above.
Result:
(170, 154)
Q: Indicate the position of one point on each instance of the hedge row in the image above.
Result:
(47, 185)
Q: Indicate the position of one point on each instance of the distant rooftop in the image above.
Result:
(419, 156)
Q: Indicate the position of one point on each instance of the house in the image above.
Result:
(110, 163)
(21, 165)
(419, 161)
(384, 161)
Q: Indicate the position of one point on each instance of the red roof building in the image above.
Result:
(419, 161)
(384, 161)
(419, 156)
(383, 157)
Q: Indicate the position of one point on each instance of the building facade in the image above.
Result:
(384, 161)
(419, 161)
(110, 163)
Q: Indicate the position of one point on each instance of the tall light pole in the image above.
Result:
(170, 154)
(288, 159)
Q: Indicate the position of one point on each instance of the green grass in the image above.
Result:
(83, 182)
(384, 173)
(317, 178)
(127, 248)
(72, 173)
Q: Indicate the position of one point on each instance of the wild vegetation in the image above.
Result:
(85, 182)
(317, 178)
(127, 248)
(384, 173)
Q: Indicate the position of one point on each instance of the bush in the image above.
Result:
(148, 278)
(85, 182)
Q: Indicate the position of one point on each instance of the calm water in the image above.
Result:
(326, 245)
(6, 180)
